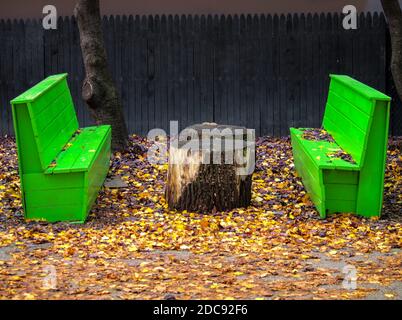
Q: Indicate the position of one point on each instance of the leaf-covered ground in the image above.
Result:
(132, 247)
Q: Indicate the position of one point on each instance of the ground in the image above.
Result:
(133, 247)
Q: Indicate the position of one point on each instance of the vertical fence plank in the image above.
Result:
(303, 70)
(190, 69)
(237, 107)
(170, 69)
(256, 74)
(283, 57)
(207, 76)
(183, 69)
(143, 72)
(125, 67)
(77, 65)
(130, 87)
(151, 75)
(196, 69)
(266, 112)
(276, 76)
(164, 74)
(3, 78)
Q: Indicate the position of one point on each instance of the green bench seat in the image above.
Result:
(357, 117)
(61, 166)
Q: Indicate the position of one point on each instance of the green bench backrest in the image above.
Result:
(349, 113)
(51, 117)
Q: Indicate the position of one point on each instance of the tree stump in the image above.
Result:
(210, 168)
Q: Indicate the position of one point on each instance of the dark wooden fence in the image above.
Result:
(266, 72)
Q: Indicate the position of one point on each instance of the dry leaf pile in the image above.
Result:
(133, 247)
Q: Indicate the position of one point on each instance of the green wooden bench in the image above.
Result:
(357, 117)
(61, 166)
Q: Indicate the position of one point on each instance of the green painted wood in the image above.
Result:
(61, 168)
(310, 173)
(336, 206)
(371, 186)
(357, 117)
(39, 89)
(336, 176)
(341, 191)
(80, 151)
(54, 197)
(53, 120)
(40, 181)
(319, 152)
(55, 213)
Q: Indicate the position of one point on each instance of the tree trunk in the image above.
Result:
(393, 14)
(198, 185)
(98, 89)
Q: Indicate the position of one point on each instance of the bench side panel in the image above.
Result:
(311, 175)
(371, 184)
(96, 174)
(28, 157)
(54, 197)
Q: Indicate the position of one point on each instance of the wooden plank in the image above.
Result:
(125, 65)
(242, 70)
(237, 106)
(197, 105)
(76, 64)
(229, 71)
(9, 68)
(143, 76)
(266, 111)
(170, 70)
(3, 82)
(283, 59)
(150, 78)
(207, 111)
(158, 114)
(276, 75)
(175, 56)
(295, 77)
(256, 79)
(322, 67)
(19, 72)
(316, 120)
(164, 74)
(137, 112)
(248, 59)
(190, 69)
(217, 39)
(19, 66)
(303, 105)
(183, 70)
(117, 62)
(81, 152)
(381, 75)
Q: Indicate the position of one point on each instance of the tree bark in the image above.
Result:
(393, 14)
(198, 186)
(98, 89)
